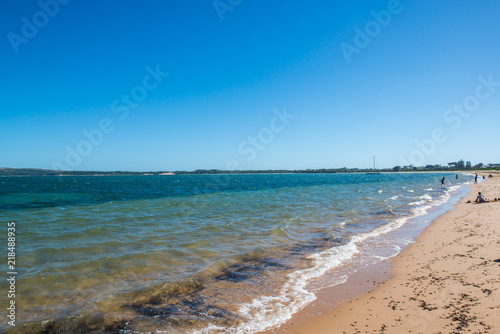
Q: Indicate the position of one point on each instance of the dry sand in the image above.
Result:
(448, 281)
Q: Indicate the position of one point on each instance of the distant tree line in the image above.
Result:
(49, 172)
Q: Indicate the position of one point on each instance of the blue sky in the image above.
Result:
(239, 84)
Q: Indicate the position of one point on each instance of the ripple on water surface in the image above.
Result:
(148, 252)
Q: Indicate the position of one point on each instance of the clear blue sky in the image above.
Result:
(250, 85)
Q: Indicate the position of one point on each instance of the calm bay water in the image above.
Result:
(196, 253)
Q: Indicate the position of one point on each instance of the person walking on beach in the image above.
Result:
(442, 182)
(475, 179)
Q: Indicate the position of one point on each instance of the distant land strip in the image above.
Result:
(49, 172)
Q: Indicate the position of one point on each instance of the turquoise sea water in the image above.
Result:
(223, 253)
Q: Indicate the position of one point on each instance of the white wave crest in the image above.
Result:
(391, 226)
(271, 311)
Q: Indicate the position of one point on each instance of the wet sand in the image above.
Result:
(448, 281)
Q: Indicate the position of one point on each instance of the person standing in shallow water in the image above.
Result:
(442, 182)
(475, 179)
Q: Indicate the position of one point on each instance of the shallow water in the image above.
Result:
(199, 253)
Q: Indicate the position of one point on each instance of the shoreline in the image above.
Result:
(447, 280)
(370, 242)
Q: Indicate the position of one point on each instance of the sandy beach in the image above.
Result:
(446, 282)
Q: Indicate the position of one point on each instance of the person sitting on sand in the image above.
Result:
(480, 198)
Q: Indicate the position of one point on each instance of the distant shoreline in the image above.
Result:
(48, 172)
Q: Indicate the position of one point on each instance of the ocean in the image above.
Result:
(201, 253)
